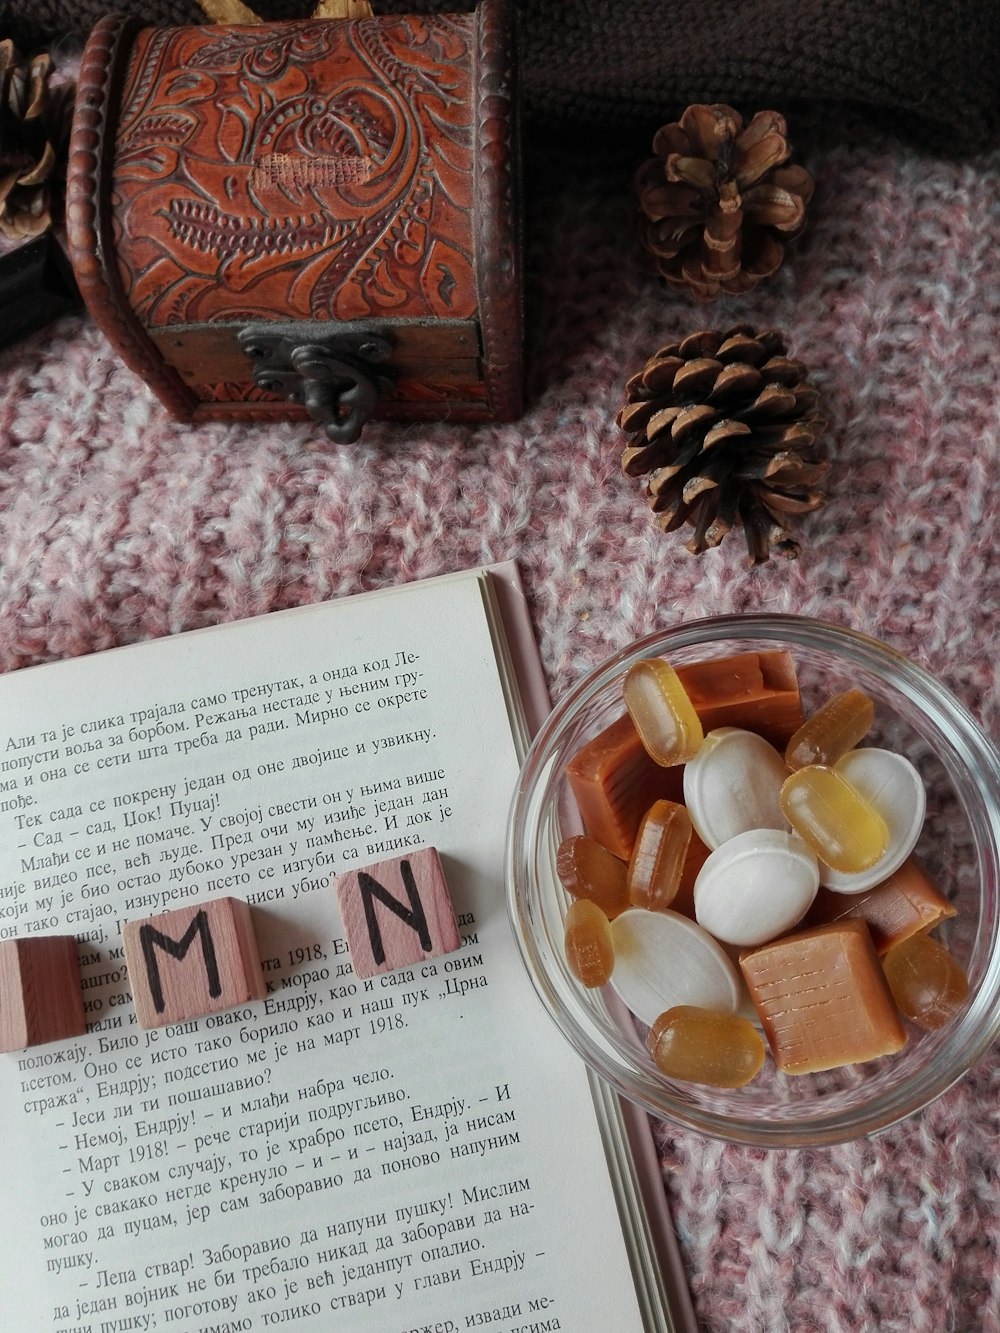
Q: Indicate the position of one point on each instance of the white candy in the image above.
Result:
(663, 959)
(892, 785)
(732, 785)
(756, 886)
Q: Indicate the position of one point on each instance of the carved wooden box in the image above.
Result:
(315, 217)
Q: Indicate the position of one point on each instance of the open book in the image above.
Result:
(416, 1150)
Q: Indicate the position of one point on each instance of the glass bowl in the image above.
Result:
(959, 846)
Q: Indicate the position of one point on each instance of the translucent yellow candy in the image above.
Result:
(836, 727)
(664, 716)
(890, 783)
(703, 1046)
(833, 818)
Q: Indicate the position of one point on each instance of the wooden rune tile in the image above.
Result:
(41, 998)
(397, 913)
(192, 961)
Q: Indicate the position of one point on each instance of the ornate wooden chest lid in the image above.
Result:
(317, 211)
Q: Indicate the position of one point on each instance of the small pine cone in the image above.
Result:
(726, 428)
(35, 116)
(719, 202)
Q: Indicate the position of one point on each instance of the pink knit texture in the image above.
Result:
(120, 525)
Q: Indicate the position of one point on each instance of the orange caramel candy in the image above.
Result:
(905, 904)
(927, 984)
(615, 782)
(702, 1046)
(822, 998)
(757, 691)
(659, 856)
(588, 870)
(590, 949)
(718, 681)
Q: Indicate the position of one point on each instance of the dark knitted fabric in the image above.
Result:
(932, 66)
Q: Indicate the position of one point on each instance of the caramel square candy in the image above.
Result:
(822, 998)
(758, 691)
(397, 913)
(40, 995)
(192, 961)
(901, 906)
(615, 782)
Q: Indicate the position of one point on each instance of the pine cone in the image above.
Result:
(726, 427)
(719, 202)
(34, 137)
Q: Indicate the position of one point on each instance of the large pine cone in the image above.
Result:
(719, 202)
(35, 120)
(726, 428)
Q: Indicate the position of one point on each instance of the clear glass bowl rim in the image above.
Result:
(974, 767)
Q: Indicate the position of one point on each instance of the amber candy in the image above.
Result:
(664, 715)
(830, 814)
(590, 950)
(836, 727)
(702, 1046)
(659, 856)
(927, 984)
(588, 870)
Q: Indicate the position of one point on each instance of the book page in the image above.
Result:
(417, 1150)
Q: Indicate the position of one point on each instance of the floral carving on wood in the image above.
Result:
(306, 170)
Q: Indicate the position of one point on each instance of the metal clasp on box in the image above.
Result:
(338, 377)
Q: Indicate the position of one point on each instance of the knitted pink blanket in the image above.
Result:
(119, 525)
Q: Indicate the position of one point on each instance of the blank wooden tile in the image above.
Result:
(193, 961)
(397, 913)
(40, 995)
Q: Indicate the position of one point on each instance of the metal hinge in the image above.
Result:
(337, 376)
